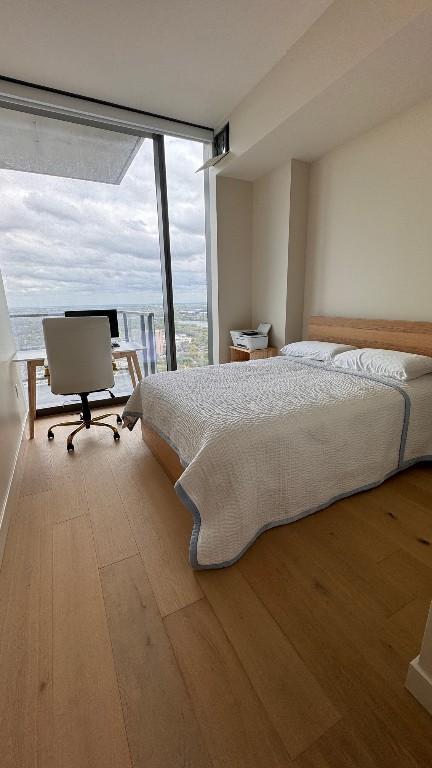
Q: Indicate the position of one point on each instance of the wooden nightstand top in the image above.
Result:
(240, 354)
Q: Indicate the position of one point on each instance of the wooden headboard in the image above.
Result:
(405, 335)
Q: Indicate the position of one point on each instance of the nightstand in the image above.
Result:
(240, 354)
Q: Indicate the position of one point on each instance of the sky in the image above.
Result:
(67, 242)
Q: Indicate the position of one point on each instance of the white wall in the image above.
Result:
(258, 275)
(361, 62)
(234, 248)
(369, 233)
(270, 232)
(369, 250)
(299, 195)
(278, 250)
(12, 409)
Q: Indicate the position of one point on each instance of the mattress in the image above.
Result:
(267, 442)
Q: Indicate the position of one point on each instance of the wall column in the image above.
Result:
(298, 214)
(233, 230)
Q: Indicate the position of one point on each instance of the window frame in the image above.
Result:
(74, 108)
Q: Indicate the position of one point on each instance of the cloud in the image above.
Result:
(63, 238)
(63, 210)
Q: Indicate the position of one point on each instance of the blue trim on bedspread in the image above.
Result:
(193, 546)
(187, 501)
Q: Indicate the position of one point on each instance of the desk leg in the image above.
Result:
(131, 369)
(137, 365)
(31, 384)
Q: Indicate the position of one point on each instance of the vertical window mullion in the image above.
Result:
(165, 249)
(208, 259)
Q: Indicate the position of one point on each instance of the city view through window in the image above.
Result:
(70, 243)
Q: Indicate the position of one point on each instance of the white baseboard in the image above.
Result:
(419, 684)
(12, 494)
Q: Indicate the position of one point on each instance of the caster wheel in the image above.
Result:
(119, 420)
(116, 436)
(50, 434)
(70, 448)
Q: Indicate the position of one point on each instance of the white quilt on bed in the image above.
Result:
(267, 442)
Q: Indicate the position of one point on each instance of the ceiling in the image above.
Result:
(192, 60)
(297, 113)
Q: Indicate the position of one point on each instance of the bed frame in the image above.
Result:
(162, 452)
(404, 335)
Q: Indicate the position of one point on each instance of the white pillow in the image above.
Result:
(314, 350)
(402, 366)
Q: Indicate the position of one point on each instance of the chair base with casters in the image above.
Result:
(85, 422)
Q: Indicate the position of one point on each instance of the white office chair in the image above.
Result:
(79, 361)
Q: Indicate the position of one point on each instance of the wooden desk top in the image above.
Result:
(38, 356)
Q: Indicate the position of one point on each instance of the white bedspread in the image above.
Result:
(270, 441)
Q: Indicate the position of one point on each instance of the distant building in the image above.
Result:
(160, 342)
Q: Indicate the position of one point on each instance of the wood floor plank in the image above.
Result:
(294, 701)
(353, 536)
(68, 487)
(405, 628)
(45, 712)
(161, 526)
(38, 470)
(421, 476)
(26, 639)
(400, 508)
(406, 571)
(316, 579)
(360, 747)
(88, 723)
(348, 652)
(113, 535)
(161, 726)
(343, 595)
(414, 487)
(358, 580)
(404, 523)
(235, 725)
(304, 605)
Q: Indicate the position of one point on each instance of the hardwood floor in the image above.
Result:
(115, 654)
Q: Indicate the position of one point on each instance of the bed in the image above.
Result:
(250, 446)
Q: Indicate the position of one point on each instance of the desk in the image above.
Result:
(35, 357)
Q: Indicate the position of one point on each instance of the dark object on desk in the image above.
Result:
(111, 314)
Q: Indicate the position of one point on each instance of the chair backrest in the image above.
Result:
(79, 354)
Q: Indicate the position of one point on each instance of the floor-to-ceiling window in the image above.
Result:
(79, 228)
(188, 249)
